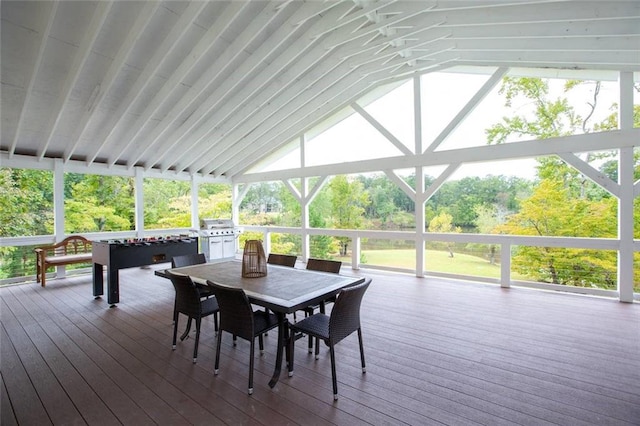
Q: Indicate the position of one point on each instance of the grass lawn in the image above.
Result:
(437, 261)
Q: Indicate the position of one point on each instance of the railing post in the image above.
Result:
(505, 265)
(355, 252)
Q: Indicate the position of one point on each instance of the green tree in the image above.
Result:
(442, 223)
(551, 211)
(348, 204)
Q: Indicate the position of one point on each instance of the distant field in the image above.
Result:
(437, 261)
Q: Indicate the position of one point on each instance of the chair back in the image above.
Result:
(236, 314)
(188, 260)
(324, 265)
(345, 315)
(282, 259)
(187, 295)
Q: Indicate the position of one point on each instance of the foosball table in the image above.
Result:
(129, 253)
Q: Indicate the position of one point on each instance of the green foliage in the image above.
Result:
(166, 203)
(95, 203)
(26, 202)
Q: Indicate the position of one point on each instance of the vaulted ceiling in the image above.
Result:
(211, 88)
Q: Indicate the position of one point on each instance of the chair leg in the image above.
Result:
(251, 353)
(364, 367)
(261, 344)
(175, 328)
(333, 372)
(317, 348)
(310, 347)
(188, 329)
(217, 363)
(195, 346)
(215, 322)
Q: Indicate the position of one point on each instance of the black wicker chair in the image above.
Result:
(344, 320)
(320, 265)
(238, 318)
(189, 303)
(282, 259)
(203, 290)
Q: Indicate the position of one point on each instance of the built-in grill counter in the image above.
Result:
(218, 238)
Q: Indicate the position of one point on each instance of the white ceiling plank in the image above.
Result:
(285, 70)
(470, 106)
(144, 78)
(83, 52)
(551, 44)
(237, 79)
(624, 61)
(48, 16)
(144, 17)
(224, 60)
(169, 85)
(284, 102)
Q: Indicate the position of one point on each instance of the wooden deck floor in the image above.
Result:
(438, 352)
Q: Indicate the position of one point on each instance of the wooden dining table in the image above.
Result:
(283, 290)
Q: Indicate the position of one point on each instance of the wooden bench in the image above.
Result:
(73, 249)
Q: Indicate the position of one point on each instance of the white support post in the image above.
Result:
(195, 218)
(419, 189)
(305, 200)
(505, 265)
(235, 203)
(355, 253)
(266, 242)
(58, 208)
(139, 201)
(625, 201)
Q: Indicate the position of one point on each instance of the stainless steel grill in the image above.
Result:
(219, 238)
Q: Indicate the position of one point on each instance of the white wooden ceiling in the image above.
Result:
(211, 88)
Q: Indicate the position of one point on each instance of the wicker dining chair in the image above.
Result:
(203, 290)
(238, 318)
(343, 321)
(189, 303)
(282, 259)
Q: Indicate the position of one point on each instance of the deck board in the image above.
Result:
(438, 352)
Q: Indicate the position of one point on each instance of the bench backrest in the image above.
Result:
(74, 244)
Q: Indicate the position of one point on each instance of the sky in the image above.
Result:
(443, 95)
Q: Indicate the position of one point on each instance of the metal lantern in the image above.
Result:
(254, 262)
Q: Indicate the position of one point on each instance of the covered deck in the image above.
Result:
(438, 352)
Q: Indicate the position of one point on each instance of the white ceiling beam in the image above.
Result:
(541, 13)
(136, 30)
(302, 92)
(98, 19)
(486, 153)
(322, 92)
(180, 28)
(243, 76)
(288, 68)
(230, 54)
(170, 84)
(623, 61)
(47, 18)
(569, 29)
(307, 118)
(549, 44)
